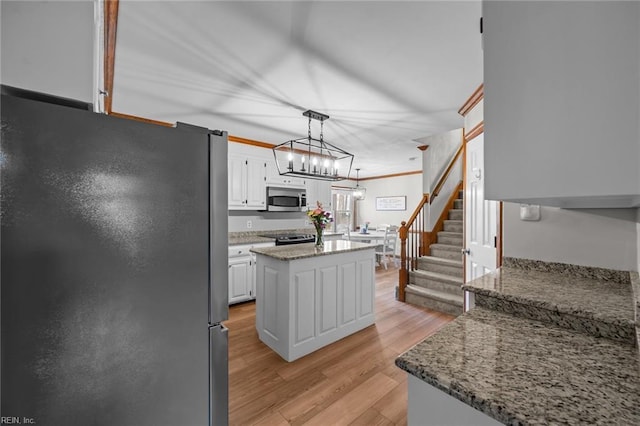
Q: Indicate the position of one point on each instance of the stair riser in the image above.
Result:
(452, 227)
(436, 305)
(461, 194)
(441, 269)
(446, 254)
(457, 204)
(436, 285)
(454, 241)
(455, 215)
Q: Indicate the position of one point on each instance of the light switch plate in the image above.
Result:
(530, 212)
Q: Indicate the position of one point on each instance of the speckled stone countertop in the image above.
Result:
(590, 305)
(249, 239)
(635, 284)
(526, 372)
(301, 251)
(252, 237)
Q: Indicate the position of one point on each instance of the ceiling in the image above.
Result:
(388, 73)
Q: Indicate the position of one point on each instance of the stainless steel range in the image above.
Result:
(287, 239)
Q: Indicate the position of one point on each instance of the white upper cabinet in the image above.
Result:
(247, 181)
(274, 178)
(319, 190)
(562, 103)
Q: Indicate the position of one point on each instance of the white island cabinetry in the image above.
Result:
(308, 298)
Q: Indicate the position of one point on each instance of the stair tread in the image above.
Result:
(449, 234)
(456, 210)
(452, 279)
(453, 220)
(442, 261)
(435, 294)
(449, 247)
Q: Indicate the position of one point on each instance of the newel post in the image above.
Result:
(403, 274)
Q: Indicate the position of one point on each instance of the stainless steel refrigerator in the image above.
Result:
(114, 268)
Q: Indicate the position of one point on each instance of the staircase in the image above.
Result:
(435, 284)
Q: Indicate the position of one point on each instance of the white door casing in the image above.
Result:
(481, 216)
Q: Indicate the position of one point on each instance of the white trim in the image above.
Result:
(98, 56)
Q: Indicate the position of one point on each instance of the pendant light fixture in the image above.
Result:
(313, 158)
(359, 192)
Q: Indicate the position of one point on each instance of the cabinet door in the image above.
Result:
(240, 279)
(275, 178)
(318, 190)
(254, 275)
(237, 181)
(256, 186)
(579, 80)
(324, 193)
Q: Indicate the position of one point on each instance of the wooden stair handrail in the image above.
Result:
(413, 230)
(421, 203)
(446, 173)
(418, 214)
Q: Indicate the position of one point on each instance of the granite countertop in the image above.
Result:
(585, 304)
(522, 371)
(253, 237)
(249, 239)
(301, 251)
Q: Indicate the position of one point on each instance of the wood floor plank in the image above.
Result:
(393, 405)
(272, 419)
(355, 403)
(372, 417)
(352, 381)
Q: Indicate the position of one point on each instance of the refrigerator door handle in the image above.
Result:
(219, 375)
(218, 229)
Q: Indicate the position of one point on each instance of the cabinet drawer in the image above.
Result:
(238, 251)
(245, 249)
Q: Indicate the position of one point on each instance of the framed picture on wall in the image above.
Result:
(391, 203)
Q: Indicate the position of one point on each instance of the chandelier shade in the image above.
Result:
(313, 158)
(359, 192)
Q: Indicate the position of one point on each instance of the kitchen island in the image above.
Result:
(308, 297)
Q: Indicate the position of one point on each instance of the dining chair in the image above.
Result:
(388, 247)
(346, 232)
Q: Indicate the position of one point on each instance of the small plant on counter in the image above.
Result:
(320, 219)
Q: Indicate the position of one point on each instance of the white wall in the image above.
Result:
(474, 116)
(266, 221)
(48, 47)
(435, 159)
(606, 238)
(407, 185)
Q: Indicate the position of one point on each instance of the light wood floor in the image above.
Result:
(351, 382)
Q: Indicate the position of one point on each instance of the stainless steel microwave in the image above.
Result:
(281, 199)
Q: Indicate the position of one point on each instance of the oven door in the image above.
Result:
(286, 199)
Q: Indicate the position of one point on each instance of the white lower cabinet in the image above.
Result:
(240, 279)
(242, 272)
